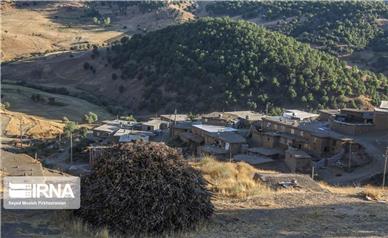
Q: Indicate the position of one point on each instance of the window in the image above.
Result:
(292, 131)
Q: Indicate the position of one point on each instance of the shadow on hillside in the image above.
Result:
(69, 14)
(33, 5)
(350, 220)
(82, 17)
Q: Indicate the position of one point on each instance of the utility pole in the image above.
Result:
(230, 152)
(385, 166)
(71, 147)
(350, 155)
(175, 112)
(90, 155)
(21, 132)
(312, 172)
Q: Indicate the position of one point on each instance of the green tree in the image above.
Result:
(69, 128)
(90, 117)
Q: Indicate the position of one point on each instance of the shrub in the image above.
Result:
(144, 188)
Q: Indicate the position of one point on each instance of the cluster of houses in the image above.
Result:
(297, 139)
(123, 131)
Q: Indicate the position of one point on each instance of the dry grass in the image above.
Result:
(340, 190)
(75, 227)
(231, 179)
(35, 127)
(374, 193)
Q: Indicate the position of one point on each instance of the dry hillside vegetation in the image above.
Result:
(60, 26)
(231, 179)
(32, 126)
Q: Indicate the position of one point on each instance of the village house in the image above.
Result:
(121, 123)
(104, 131)
(176, 129)
(126, 135)
(298, 161)
(178, 117)
(357, 122)
(236, 119)
(218, 140)
(254, 160)
(153, 125)
(220, 119)
(310, 136)
(326, 114)
(109, 127)
(271, 153)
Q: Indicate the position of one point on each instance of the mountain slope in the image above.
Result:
(219, 63)
(55, 26)
(337, 27)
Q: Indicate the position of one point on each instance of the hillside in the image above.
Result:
(337, 27)
(204, 65)
(220, 63)
(60, 26)
(51, 106)
(32, 126)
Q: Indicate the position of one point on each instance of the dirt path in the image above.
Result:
(374, 145)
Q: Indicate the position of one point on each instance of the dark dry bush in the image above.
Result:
(144, 188)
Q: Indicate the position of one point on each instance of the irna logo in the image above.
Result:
(40, 190)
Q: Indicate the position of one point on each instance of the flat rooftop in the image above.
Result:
(107, 128)
(298, 153)
(175, 117)
(214, 150)
(298, 114)
(213, 128)
(125, 132)
(265, 151)
(252, 159)
(118, 122)
(321, 129)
